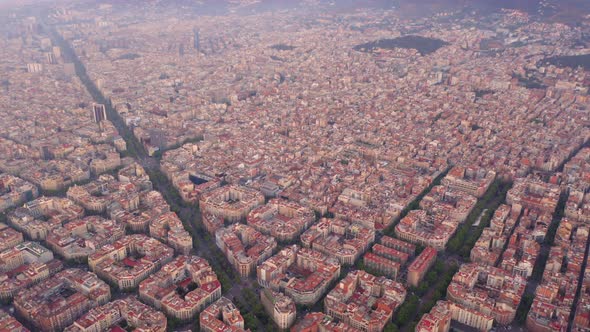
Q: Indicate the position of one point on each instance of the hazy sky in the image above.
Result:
(6, 3)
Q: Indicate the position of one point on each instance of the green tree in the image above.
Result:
(390, 327)
(407, 311)
(250, 321)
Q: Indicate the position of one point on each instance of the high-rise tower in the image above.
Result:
(99, 113)
(196, 40)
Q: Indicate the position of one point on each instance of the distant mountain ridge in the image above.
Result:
(566, 11)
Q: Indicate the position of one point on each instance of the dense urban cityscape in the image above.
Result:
(304, 166)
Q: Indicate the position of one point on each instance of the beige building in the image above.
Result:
(129, 260)
(171, 288)
(280, 307)
(232, 203)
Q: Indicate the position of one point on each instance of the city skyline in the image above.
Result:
(312, 165)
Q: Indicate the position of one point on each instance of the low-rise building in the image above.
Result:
(233, 203)
(555, 295)
(365, 302)
(130, 260)
(318, 321)
(302, 273)
(82, 237)
(106, 194)
(524, 245)
(390, 253)
(490, 245)
(282, 219)
(487, 290)
(382, 265)
(112, 316)
(398, 245)
(419, 267)
(244, 247)
(280, 307)
(212, 222)
(9, 237)
(577, 206)
(338, 238)
(10, 324)
(421, 227)
(38, 217)
(474, 181)
(168, 228)
(438, 318)
(454, 204)
(57, 302)
(221, 316)
(23, 266)
(182, 288)
(15, 191)
(533, 194)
